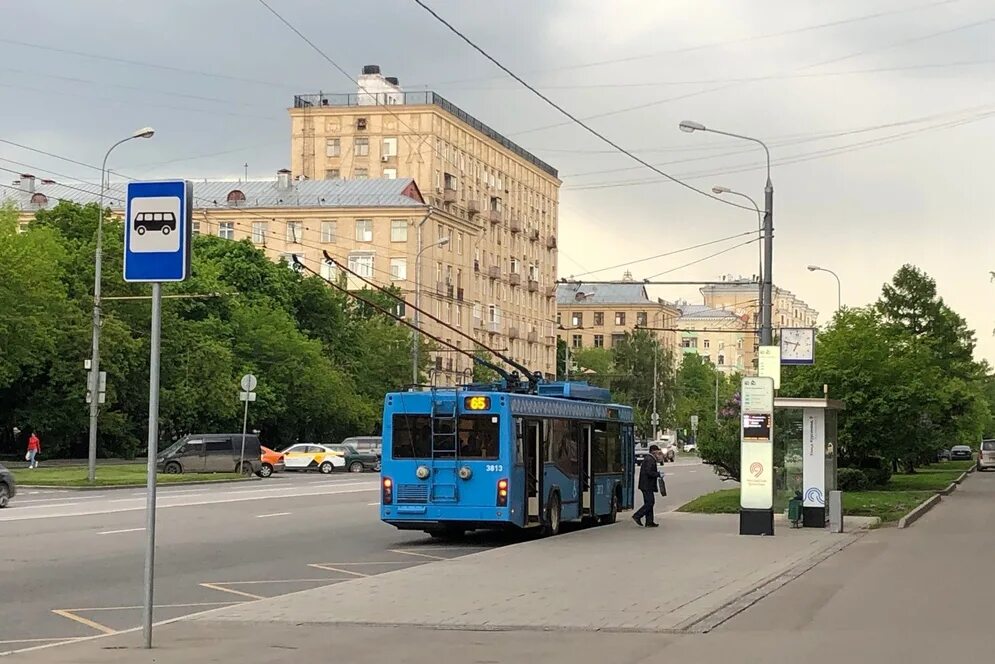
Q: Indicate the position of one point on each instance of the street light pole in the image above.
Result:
(416, 335)
(839, 286)
(94, 385)
(766, 311)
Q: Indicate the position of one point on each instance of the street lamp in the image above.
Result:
(719, 190)
(839, 287)
(416, 337)
(766, 316)
(145, 132)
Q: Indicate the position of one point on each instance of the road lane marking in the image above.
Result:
(420, 555)
(266, 516)
(249, 583)
(214, 586)
(335, 492)
(157, 606)
(372, 504)
(329, 568)
(59, 638)
(65, 613)
(123, 530)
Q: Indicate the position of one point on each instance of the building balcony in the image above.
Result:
(476, 321)
(494, 327)
(495, 216)
(551, 291)
(515, 225)
(459, 294)
(440, 287)
(476, 265)
(494, 272)
(513, 333)
(533, 337)
(551, 242)
(533, 286)
(473, 207)
(515, 279)
(534, 235)
(449, 195)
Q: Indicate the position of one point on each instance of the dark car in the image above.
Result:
(211, 453)
(8, 487)
(356, 461)
(961, 453)
(369, 444)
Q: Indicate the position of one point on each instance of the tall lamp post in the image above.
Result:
(94, 386)
(766, 316)
(839, 287)
(760, 228)
(416, 337)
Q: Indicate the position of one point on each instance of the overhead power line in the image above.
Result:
(571, 116)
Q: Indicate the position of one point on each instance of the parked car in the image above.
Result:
(307, 456)
(8, 487)
(272, 462)
(943, 455)
(669, 450)
(211, 453)
(367, 444)
(690, 447)
(986, 457)
(961, 453)
(357, 461)
(642, 448)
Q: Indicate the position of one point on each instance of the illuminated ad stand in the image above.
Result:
(756, 498)
(818, 454)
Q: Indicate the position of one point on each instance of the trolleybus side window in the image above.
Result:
(563, 452)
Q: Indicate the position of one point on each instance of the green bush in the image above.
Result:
(852, 479)
(876, 469)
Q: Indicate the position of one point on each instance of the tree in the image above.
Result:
(595, 365)
(632, 380)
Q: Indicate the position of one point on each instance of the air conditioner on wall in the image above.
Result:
(384, 158)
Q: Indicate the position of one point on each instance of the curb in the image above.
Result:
(962, 477)
(950, 488)
(920, 510)
(134, 486)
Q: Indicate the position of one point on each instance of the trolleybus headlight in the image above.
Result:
(465, 473)
(387, 491)
(502, 493)
(422, 472)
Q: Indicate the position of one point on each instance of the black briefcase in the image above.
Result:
(663, 486)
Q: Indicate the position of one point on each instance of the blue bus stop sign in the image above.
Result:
(157, 231)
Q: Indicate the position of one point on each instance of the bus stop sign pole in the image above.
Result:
(156, 249)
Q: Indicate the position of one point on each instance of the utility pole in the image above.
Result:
(716, 397)
(766, 328)
(655, 418)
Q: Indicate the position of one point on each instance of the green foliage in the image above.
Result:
(851, 479)
(481, 373)
(323, 362)
(634, 359)
(595, 365)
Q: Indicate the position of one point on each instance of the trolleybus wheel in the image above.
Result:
(552, 525)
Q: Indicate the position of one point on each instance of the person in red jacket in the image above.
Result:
(34, 448)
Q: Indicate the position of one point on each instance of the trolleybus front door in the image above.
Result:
(533, 468)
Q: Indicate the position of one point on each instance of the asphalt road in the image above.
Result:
(71, 563)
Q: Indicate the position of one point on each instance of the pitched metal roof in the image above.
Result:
(382, 192)
(580, 293)
(702, 311)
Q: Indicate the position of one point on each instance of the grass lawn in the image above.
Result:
(948, 466)
(889, 505)
(107, 476)
(922, 481)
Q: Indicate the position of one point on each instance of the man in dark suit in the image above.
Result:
(648, 476)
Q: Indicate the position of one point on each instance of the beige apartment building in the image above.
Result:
(375, 228)
(599, 315)
(741, 296)
(718, 335)
(503, 197)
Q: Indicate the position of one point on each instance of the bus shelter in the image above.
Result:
(810, 451)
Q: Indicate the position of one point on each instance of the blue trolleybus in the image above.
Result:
(476, 457)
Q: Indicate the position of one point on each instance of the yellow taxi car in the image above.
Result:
(307, 456)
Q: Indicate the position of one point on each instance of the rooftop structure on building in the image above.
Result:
(30, 193)
(375, 89)
(703, 312)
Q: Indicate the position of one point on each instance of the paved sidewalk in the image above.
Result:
(617, 579)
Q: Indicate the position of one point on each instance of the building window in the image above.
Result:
(641, 318)
(577, 319)
(458, 315)
(360, 173)
(575, 341)
(328, 270)
(362, 147)
(294, 229)
(259, 232)
(390, 173)
(514, 265)
(362, 264)
(329, 229)
(195, 227)
(289, 259)
(226, 230)
(333, 147)
(449, 181)
(390, 146)
(689, 342)
(332, 174)
(617, 339)
(599, 318)
(398, 230)
(398, 269)
(364, 230)
(722, 359)
(599, 341)
(459, 242)
(235, 197)
(619, 318)
(706, 344)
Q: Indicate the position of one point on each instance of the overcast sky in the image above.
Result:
(880, 123)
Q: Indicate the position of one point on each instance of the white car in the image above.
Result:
(313, 457)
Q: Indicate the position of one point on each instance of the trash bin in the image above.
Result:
(795, 511)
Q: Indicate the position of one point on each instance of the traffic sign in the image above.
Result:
(694, 422)
(157, 231)
(248, 383)
(246, 396)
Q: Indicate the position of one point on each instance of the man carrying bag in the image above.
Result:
(650, 481)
